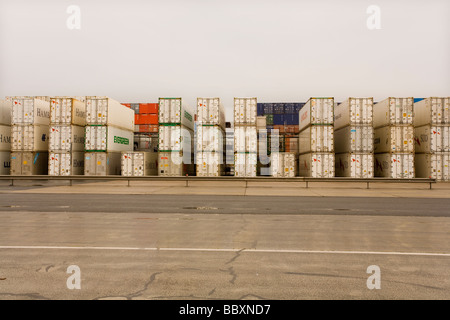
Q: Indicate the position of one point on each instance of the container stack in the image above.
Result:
(139, 163)
(353, 138)
(210, 137)
(245, 137)
(108, 132)
(176, 138)
(316, 138)
(5, 137)
(432, 138)
(66, 145)
(29, 132)
(394, 138)
(229, 150)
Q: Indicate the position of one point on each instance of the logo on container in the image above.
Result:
(121, 140)
(304, 116)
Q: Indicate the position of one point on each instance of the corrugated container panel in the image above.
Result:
(261, 122)
(393, 111)
(278, 108)
(146, 128)
(147, 118)
(67, 111)
(432, 139)
(245, 164)
(139, 164)
(66, 138)
(291, 119)
(354, 139)
(317, 138)
(291, 144)
(102, 163)
(108, 139)
(146, 142)
(264, 109)
(276, 143)
(245, 111)
(394, 165)
(210, 111)
(210, 138)
(394, 139)
(29, 138)
(245, 139)
(5, 163)
(291, 129)
(269, 120)
(284, 164)
(30, 111)
(173, 110)
(316, 165)
(354, 165)
(433, 166)
(210, 164)
(5, 112)
(433, 110)
(173, 164)
(109, 112)
(316, 111)
(278, 119)
(353, 111)
(148, 108)
(29, 163)
(65, 163)
(175, 138)
(5, 138)
(135, 107)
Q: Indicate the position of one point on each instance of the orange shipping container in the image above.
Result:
(291, 129)
(279, 127)
(148, 108)
(127, 105)
(147, 128)
(146, 118)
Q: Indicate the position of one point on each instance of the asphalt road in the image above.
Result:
(186, 247)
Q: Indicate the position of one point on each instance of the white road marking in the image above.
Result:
(232, 250)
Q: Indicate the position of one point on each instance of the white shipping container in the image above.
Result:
(5, 112)
(174, 164)
(209, 138)
(210, 111)
(5, 138)
(29, 163)
(354, 139)
(433, 110)
(175, 138)
(394, 165)
(245, 111)
(393, 111)
(139, 164)
(67, 111)
(316, 165)
(65, 163)
(30, 111)
(354, 165)
(66, 138)
(102, 163)
(433, 166)
(431, 139)
(283, 164)
(29, 138)
(108, 138)
(316, 111)
(245, 139)
(317, 138)
(353, 111)
(394, 139)
(210, 164)
(261, 123)
(173, 110)
(109, 112)
(245, 164)
(5, 163)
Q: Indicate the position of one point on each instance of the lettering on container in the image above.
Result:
(42, 113)
(77, 139)
(377, 141)
(80, 113)
(7, 164)
(304, 116)
(44, 137)
(423, 137)
(5, 139)
(78, 163)
(338, 116)
(188, 116)
(121, 140)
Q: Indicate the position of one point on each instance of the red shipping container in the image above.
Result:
(127, 105)
(148, 128)
(291, 129)
(148, 108)
(279, 127)
(149, 118)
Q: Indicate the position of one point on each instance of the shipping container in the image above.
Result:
(264, 109)
(353, 111)
(146, 128)
(316, 165)
(146, 142)
(209, 138)
(210, 111)
(291, 119)
(102, 163)
(276, 143)
(5, 163)
(65, 163)
(278, 120)
(139, 164)
(354, 165)
(434, 111)
(210, 164)
(269, 120)
(433, 166)
(66, 138)
(29, 138)
(245, 164)
(30, 111)
(317, 138)
(108, 138)
(67, 111)
(394, 139)
(174, 164)
(29, 163)
(432, 139)
(174, 111)
(245, 139)
(278, 108)
(135, 107)
(5, 112)
(393, 111)
(109, 112)
(354, 139)
(148, 108)
(146, 118)
(291, 144)
(394, 165)
(291, 129)
(316, 111)
(261, 122)
(245, 111)
(283, 164)
(5, 138)
(175, 138)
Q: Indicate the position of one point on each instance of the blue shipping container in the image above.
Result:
(291, 119)
(278, 119)
(278, 108)
(264, 108)
(298, 106)
(418, 99)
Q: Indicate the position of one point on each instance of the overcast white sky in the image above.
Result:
(276, 50)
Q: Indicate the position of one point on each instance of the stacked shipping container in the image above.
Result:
(245, 137)
(432, 138)
(353, 138)
(394, 138)
(5, 137)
